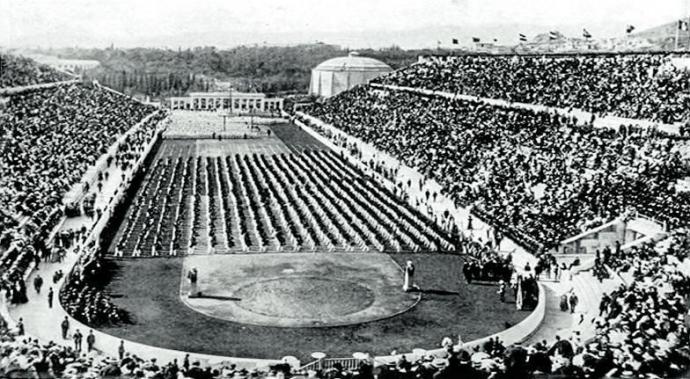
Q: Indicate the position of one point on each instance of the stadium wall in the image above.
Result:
(513, 335)
(598, 238)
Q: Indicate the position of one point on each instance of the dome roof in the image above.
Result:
(353, 62)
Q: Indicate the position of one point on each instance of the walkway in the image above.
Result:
(556, 322)
(581, 116)
(43, 322)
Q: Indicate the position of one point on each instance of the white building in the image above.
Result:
(241, 102)
(71, 65)
(340, 74)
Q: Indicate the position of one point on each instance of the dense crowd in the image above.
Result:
(85, 300)
(18, 71)
(482, 263)
(38, 166)
(51, 136)
(639, 86)
(23, 357)
(536, 176)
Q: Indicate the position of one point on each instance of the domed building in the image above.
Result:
(340, 74)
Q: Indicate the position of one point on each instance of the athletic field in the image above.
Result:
(297, 250)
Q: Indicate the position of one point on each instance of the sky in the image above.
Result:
(179, 22)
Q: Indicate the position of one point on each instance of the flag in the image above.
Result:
(476, 40)
(553, 36)
(629, 29)
(523, 38)
(518, 296)
(683, 25)
(586, 34)
(455, 41)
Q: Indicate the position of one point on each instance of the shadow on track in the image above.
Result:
(214, 297)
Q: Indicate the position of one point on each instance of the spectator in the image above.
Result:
(38, 282)
(640, 86)
(77, 337)
(90, 340)
(65, 327)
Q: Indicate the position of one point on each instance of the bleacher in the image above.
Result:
(51, 136)
(17, 71)
(588, 175)
(637, 86)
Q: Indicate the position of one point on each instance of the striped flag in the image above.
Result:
(523, 38)
(586, 34)
(683, 25)
(553, 35)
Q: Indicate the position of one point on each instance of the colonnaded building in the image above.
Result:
(241, 102)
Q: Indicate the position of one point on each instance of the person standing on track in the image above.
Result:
(90, 341)
(121, 349)
(408, 283)
(193, 276)
(65, 327)
(38, 283)
(77, 337)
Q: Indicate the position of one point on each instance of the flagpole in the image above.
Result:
(678, 26)
(687, 20)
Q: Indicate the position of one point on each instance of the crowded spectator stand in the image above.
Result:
(19, 73)
(33, 170)
(473, 174)
(81, 112)
(634, 86)
(353, 126)
(640, 328)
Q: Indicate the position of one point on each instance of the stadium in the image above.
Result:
(473, 215)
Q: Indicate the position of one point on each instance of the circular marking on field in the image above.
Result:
(298, 289)
(304, 298)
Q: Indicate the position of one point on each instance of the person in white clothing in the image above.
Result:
(408, 283)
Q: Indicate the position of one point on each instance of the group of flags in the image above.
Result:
(683, 25)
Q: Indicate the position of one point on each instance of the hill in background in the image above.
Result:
(664, 36)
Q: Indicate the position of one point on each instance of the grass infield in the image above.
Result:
(149, 289)
(298, 289)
